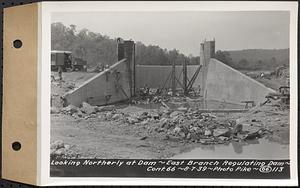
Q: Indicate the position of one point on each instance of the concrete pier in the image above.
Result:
(115, 84)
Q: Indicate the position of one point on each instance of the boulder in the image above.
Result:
(54, 110)
(182, 109)
(52, 152)
(228, 133)
(253, 135)
(71, 109)
(188, 136)
(67, 147)
(207, 132)
(219, 132)
(175, 114)
(57, 145)
(109, 115)
(250, 128)
(116, 116)
(60, 152)
(145, 122)
(104, 108)
(176, 130)
(223, 138)
(238, 128)
(79, 114)
(206, 141)
(153, 115)
(181, 134)
(163, 122)
(132, 120)
(240, 120)
(193, 136)
(87, 108)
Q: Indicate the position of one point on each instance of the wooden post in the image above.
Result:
(173, 79)
(134, 71)
(184, 69)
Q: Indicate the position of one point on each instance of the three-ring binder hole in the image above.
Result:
(17, 43)
(16, 146)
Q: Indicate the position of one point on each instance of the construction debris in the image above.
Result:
(155, 114)
(59, 149)
(186, 124)
(176, 121)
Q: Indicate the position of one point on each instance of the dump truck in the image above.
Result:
(66, 61)
(79, 64)
(62, 59)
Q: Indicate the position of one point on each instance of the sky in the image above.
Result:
(232, 30)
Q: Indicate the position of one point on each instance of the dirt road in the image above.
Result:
(104, 139)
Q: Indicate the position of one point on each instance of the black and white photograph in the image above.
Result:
(171, 86)
(159, 93)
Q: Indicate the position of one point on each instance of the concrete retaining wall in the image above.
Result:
(156, 76)
(224, 83)
(104, 88)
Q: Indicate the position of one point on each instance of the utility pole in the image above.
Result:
(173, 79)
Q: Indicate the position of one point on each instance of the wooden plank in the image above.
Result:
(222, 110)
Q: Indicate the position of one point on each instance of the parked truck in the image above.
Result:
(65, 61)
(79, 64)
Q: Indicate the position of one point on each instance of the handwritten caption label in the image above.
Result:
(180, 165)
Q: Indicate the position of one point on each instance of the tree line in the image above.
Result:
(251, 60)
(99, 49)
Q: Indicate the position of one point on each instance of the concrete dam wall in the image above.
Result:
(224, 83)
(216, 80)
(157, 76)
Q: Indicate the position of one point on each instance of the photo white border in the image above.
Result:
(44, 83)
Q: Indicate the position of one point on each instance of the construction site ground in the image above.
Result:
(134, 130)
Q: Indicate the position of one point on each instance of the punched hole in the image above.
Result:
(16, 146)
(17, 43)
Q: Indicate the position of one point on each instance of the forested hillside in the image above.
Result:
(100, 49)
(255, 59)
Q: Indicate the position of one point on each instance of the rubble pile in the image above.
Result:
(147, 95)
(206, 128)
(85, 111)
(191, 125)
(183, 124)
(59, 149)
